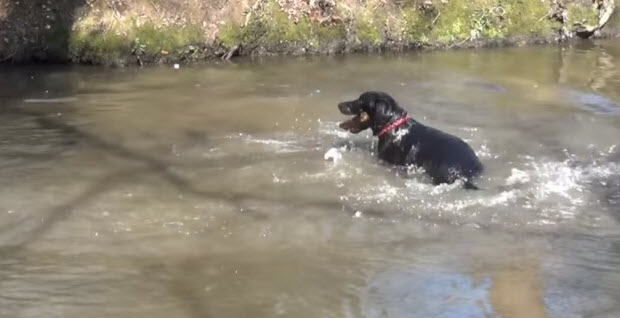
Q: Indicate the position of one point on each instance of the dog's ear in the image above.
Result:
(376, 103)
(370, 102)
(383, 113)
(380, 105)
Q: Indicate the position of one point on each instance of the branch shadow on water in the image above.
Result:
(41, 223)
(23, 233)
(27, 231)
(150, 164)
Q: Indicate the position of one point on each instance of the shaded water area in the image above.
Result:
(203, 192)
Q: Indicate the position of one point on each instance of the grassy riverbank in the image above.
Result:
(124, 32)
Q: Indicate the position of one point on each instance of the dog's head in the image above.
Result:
(373, 110)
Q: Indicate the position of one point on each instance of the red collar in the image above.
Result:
(401, 121)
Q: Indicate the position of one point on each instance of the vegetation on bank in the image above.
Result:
(159, 31)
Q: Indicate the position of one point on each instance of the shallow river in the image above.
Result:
(203, 191)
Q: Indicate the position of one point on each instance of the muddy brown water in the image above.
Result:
(203, 192)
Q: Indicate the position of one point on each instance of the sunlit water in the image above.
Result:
(203, 191)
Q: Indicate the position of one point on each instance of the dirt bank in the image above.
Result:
(125, 32)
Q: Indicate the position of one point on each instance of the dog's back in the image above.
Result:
(445, 157)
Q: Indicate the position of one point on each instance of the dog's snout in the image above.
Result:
(345, 108)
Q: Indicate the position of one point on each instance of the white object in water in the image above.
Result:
(177, 66)
(517, 177)
(333, 154)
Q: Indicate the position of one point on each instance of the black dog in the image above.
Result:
(404, 141)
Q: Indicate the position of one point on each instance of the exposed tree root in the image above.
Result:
(605, 10)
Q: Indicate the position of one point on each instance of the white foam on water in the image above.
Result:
(559, 180)
(536, 192)
(517, 177)
(287, 144)
(50, 100)
(277, 145)
(484, 152)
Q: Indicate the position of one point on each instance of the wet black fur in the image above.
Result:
(446, 158)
